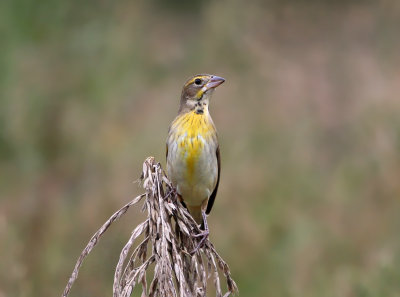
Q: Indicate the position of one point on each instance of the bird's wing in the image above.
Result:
(214, 193)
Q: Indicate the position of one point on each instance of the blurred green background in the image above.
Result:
(309, 125)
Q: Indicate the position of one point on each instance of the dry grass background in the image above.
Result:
(309, 124)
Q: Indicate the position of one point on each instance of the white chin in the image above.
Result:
(208, 92)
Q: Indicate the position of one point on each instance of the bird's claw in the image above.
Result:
(204, 236)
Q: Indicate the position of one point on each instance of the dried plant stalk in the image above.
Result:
(179, 268)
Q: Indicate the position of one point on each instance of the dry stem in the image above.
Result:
(168, 230)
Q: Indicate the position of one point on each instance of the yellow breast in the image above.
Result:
(192, 133)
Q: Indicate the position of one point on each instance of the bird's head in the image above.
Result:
(197, 90)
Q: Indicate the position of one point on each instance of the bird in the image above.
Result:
(193, 154)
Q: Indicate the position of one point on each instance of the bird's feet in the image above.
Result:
(172, 194)
(202, 235)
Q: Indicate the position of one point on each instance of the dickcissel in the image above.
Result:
(193, 158)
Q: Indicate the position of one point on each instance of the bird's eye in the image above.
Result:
(197, 81)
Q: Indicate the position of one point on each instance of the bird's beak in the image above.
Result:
(214, 82)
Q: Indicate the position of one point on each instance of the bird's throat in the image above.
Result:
(201, 106)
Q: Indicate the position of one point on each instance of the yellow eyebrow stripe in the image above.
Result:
(194, 78)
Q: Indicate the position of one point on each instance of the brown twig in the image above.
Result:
(169, 231)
